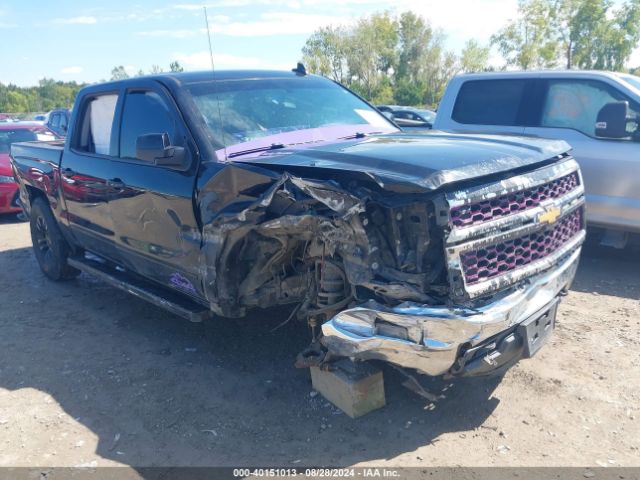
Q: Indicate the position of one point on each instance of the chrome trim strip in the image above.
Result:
(498, 225)
(513, 184)
(514, 276)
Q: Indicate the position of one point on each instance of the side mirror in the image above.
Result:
(612, 120)
(156, 148)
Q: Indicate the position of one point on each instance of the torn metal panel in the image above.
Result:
(277, 237)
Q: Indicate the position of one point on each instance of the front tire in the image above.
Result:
(50, 247)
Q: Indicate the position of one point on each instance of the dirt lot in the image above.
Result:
(91, 376)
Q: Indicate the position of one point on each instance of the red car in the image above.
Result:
(11, 133)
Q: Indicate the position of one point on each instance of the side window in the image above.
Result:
(96, 125)
(145, 112)
(575, 104)
(489, 102)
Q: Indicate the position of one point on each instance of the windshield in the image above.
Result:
(9, 136)
(632, 79)
(253, 113)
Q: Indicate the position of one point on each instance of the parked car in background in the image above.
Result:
(409, 118)
(11, 133)
(597, 113)
(223, 192)
(58, 121)
(386, 108)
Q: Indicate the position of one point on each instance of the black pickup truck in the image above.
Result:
(217, 193)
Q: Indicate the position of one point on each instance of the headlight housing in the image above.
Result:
(7, 179)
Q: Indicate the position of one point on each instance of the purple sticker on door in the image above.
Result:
(179, 281)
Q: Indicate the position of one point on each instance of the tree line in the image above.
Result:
(402, 59)
(391, 59)
(50, 94)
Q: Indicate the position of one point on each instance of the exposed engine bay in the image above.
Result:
(324, 247)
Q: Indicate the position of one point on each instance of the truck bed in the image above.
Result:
(36, 164)
(48, 152)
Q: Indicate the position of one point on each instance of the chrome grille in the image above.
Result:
(505, 232)
(494, 260)
(487, 210)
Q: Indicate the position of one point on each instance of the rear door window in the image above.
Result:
(490, 102)
(145, 112)
(96, 125)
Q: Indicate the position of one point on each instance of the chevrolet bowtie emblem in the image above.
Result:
(550, 215)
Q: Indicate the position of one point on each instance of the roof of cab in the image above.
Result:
(540, 74)
(175, 79)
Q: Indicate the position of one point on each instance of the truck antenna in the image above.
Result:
(215, 83)
(206, 21)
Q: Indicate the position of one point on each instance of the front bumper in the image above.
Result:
(432, 339)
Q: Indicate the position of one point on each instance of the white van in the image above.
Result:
(597, 113)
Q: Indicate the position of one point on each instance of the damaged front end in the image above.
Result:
(424, 279)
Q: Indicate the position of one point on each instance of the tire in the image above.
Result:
(50, 247)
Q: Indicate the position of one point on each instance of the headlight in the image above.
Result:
(6, 179)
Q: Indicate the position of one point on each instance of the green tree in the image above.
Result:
(325, 52)
(474, 57)
(587, 34)
(601, 37)
(372, 53)
(16, 102)
(419, 47)
(175, 67)
(155, 69)
(529, 41)
(119, 73)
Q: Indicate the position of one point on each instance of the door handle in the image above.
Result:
(116, 183)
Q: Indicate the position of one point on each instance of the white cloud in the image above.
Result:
(82, 20)
(172, 33)
(278, 23)
(202, 61)
(464, 19)
(7, 25)
(233, 3)
(71, 70)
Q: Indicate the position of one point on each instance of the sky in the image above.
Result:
(83, 40)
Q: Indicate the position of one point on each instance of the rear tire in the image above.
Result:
(50, 247)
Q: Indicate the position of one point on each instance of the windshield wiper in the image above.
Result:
(273, 146)
(358, 135)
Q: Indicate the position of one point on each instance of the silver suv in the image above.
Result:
(597, 113)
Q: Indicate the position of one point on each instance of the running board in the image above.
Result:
(170, 301)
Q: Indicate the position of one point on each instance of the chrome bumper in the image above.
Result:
(427, 338)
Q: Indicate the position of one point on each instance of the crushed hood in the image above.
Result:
(428, 161)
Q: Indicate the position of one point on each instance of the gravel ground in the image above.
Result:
(91, 376)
